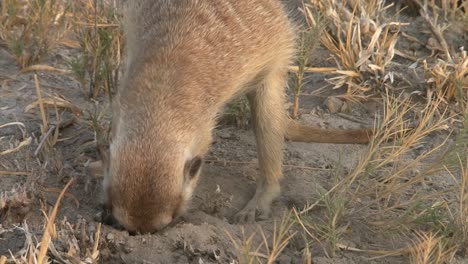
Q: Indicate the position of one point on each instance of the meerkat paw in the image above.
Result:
(253, 211)
(259, 207)
(247, 214)
(263, 213)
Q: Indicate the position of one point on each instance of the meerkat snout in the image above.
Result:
(144, 190)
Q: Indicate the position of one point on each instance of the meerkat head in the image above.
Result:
(146, 186)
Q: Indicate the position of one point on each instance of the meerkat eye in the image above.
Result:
(192, 167)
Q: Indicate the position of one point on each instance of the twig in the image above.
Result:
(225, 162)
(15, 173)
(55, 190)
(13, 124)
(310, 207)
(303, 167)
(258, 254)
(411, 38)
(23, 143)
(95, 253)
(314, 69)
(85, 24)
(4, 76)
(47, 234)
(41, 67)
(406, 56)
(41, 104)
(435, 29)
(352, 118)
(44, 139)
(397, 252)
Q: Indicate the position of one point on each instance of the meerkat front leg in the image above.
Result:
(268, 118)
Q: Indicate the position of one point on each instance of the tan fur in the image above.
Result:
(298, 132)
(185, 60)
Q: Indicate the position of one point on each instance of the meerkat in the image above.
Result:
(185, 60)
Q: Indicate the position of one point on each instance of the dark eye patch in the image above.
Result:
(192, 167)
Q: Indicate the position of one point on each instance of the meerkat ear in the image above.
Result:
(192, 167)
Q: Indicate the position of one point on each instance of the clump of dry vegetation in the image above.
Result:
(61, 241)
(382, 191)
(449, 79)
(267, 249)
(31, 29)
(448, 75)
(97, 28)
(430, 248)
(306, 46)
(362, 42)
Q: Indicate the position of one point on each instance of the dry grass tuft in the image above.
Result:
(449, 79)
(25, 141)
(61, 241)
(30, 29)
(431, 249)
(459, 217)
(389, 160)
(268, 249)
(49, 231)
(380, 189)
(100, 38)
(46, 142)
(463, 212)
(448, 76)
(307, 44)
(362, 42)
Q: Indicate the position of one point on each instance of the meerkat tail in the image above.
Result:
(302, 133)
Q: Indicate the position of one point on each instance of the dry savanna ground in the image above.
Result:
(398, 66)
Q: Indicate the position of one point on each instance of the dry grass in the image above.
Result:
(31, 29)
(431, 249)
(362, 42)
(307, 45)
(380, 191)
(26, 140)
(50, 131)
(59, 242)
(362, 38)
(448, 76)
(462, 222)
(450, 79)
(99, 35)
(458, 216)
(268, 249)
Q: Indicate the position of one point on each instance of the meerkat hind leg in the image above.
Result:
(268, 119)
